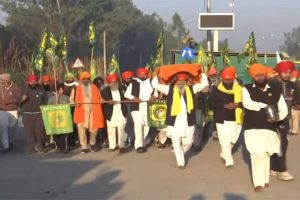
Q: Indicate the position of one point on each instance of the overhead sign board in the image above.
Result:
(216, 21)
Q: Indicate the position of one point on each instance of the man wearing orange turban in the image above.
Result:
(291, 96)
(88, 113)
(140, 91)
(226, 102)
(261, 131)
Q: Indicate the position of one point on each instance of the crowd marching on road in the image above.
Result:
(113, 113)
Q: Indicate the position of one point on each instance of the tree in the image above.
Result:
(292, 43)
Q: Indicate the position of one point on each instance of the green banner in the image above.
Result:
(57, 119)
(157, 112)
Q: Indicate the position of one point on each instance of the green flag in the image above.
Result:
(250, 50)
(93, 69)
(63, 52)
(158, 61)
(53, 46)
(157, 112)
(113, 67)
(226, 57)
(92, 33)
(39, 60)
(202, 57)
(44, 41)
(57, 119)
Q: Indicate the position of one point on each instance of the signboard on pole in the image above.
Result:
(78, 64)
(216, 21)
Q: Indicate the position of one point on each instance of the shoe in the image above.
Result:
(258, 189)
(141, 150)
(229, 167)
(285, 176)
(181, 167)
(273, 173)
(94, 148)
(84, 151)
(161, 146)
(112, 150)
(293, 133)
(44, 150)
(267, 185)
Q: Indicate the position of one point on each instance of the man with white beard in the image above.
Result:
(140, 91)
(115, 113)
(88, 113)
(180, 117)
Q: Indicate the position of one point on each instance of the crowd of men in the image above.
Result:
(113, 113)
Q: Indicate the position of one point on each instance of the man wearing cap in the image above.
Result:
(260, 130)
(33, 97)
(140, 91)
(291, 96)
(226, 102)
(115, 113)
(88, 113)
(180, 117)
(10, 96)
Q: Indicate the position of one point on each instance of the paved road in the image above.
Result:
(153, 175)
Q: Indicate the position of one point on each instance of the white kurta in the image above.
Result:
(117, 115)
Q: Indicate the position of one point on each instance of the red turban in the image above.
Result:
(295, 74)
(232, 69)
(46, 78)
(142, 71)
(112, 78)
(84, 75)
(228, 74)
(127, 75)
(212, 72)
(257, 69)
(285, 66)
(182, 77)
(32, 77)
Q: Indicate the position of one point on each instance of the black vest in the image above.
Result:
(258, 120)
(170, 120)
(107, 108)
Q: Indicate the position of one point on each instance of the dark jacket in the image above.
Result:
(170, 120)
(11, 98)
(217, 101)
(36, 98)
(108, 109)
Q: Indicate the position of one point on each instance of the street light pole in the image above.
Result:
(208, 10)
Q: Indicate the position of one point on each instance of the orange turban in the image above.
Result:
(46, 78)
(228, 74)
(84, 75)
(232, 69)
(285, 66)
(142, 71)
(127, 75)
(295, 74)
(257, 69)
(32, 77)
(212, 72)
(112, 78)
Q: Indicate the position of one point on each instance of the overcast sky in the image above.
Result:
(269, 19)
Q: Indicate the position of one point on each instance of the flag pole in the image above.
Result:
(104, 53)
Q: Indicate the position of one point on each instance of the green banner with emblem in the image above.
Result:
(57, 119)
(157, 112)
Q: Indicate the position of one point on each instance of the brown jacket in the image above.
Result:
(10, 97)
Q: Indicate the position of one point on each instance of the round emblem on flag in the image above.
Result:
(159, 112)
